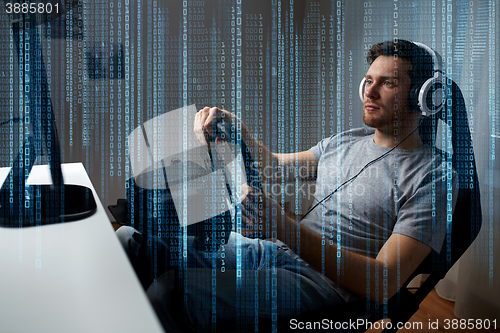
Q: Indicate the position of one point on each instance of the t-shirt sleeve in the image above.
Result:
(425, 214)
(319, 149)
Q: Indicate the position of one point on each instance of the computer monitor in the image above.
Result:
(22, 204)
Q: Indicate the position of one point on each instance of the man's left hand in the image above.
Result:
(256, 212)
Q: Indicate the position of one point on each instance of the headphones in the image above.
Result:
(429, 97)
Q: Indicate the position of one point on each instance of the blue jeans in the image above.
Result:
(244, 281)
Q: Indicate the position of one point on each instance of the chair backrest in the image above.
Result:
(467, 216)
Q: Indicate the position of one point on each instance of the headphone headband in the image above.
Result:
(437, 60)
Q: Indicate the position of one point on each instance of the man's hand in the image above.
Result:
(205, 123)
(256, 212)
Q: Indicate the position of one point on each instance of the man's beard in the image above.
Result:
(377, 119)
(390, 122)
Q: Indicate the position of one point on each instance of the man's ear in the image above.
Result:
(413, 96)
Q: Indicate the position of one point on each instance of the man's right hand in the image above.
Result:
(206, 120)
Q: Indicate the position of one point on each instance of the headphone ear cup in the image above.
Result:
(362, 86)
(432, 95)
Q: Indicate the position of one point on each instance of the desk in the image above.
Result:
(71, 277)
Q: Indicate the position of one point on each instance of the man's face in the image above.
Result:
(385, 104)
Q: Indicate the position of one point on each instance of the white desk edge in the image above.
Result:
(71, 277)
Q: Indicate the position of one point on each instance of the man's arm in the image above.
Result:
(268, 162)
(375, 278)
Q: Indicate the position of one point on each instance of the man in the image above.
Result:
(378, 211)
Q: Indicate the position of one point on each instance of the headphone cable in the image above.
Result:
(360, 171)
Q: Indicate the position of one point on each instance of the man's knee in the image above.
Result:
(130, 239)
(125, 236)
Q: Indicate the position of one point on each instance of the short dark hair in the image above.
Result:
(421, 61)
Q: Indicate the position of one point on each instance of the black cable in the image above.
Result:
(360, 171)
(13, 120)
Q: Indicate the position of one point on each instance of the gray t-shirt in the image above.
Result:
(409, 192)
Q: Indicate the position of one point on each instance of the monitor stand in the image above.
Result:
(35, 205)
